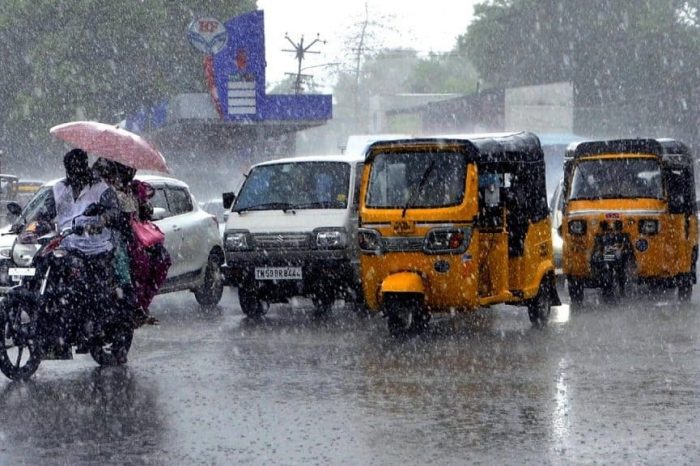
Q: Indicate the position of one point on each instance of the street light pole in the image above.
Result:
(300, 52)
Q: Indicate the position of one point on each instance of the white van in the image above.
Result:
(291, 231)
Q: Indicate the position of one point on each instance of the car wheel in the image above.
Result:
(209, 293)
(251, 304)
(539, 308)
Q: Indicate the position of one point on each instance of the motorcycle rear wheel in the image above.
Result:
(114, 351)
(20, 354)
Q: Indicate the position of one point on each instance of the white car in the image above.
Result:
(556, 206)
(191, 237)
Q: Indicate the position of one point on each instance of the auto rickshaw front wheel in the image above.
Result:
(406, 314)
(540, 307)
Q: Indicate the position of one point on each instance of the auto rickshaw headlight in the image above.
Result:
(369, 240)
(648, 226)
(331, 239)
(577, 227)
(447, 240)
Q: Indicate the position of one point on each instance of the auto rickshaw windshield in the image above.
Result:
(417, 180)
(625, 178)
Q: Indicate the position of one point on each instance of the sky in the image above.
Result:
(408, 24)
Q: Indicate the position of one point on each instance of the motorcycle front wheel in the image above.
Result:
(20, 353)
(113, 351)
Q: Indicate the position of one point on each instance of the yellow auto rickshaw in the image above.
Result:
(629, 217)
(454, 224)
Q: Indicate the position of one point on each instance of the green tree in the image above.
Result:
(639, 59)
(94, 59)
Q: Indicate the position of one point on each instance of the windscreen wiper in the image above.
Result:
(283, 206)
(419, 187)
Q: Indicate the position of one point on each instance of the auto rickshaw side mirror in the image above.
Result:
(14, 208)
(228, 199)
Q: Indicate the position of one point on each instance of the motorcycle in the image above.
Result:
(57, 306)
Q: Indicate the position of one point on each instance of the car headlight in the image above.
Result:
(237, 240)
(369, 240)
(577, 227)
(331, 239)
(447, 240)
(648, 227)
(6, 253)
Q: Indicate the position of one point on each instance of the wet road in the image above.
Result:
(600, 384)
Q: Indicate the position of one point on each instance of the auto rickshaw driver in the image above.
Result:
(455, 224)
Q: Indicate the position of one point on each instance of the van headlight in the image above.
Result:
(237, 240)
(369, 240)
(331, 239)
(447, 240)
(577, 227)
(648, 226)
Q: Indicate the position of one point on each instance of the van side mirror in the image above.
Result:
(14, 209)
(158, 214)
(228, 199)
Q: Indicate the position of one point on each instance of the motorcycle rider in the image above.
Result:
(69, 200)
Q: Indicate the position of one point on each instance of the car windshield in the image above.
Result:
(417, 179)
(296, 185)
(617, 178)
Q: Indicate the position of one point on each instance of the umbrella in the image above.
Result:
(112, 143)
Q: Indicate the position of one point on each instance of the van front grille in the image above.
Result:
(294, 241)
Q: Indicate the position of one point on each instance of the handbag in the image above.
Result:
(147, 233)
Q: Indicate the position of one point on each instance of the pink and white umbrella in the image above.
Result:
(112, 143)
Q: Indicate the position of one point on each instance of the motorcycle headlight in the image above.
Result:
(6, 252)
(648, 226)
(369, 240)
(448, 240)
(577, 227)
(331, 239)
(237, 240)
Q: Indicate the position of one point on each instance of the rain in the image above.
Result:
(363, 233)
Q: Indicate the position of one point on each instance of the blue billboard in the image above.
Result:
(235, 73)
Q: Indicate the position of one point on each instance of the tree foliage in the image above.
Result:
(640, 55)
(95, 59)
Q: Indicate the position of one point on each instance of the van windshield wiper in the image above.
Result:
(283, 206)
(419, 188)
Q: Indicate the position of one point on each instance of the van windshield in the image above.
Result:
(617, 179)
(295, 185)
(417, 179)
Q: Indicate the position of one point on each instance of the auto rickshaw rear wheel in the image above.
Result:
(406, 315)
(539, 308)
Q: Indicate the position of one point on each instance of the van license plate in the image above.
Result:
(18, 272)
(278, 273)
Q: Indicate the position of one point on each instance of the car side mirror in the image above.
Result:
(228, 199)
(14, 209)
(158, 213)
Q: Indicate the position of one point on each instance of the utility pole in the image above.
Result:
(300, 51)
